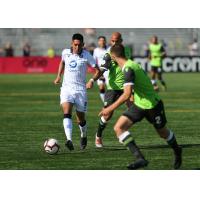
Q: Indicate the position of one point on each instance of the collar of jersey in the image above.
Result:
(79, 54)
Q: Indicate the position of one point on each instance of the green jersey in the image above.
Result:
(115, 74)
(144, 95)
(156, 51)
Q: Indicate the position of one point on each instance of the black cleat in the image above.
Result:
(69, 145)
(83, 143)
(178, 158)
(139, 163)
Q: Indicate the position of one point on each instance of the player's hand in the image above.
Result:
(89, 84)
(105, 112)
(57, 80)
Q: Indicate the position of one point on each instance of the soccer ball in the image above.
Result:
(51, 146)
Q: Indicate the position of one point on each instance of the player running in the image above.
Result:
(156, 53)
(98, 55)
(147, 104)
(74, 63)
(114, 87)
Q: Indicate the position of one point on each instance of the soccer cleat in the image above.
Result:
(98, 142)
(178, 158)
(139, 163)
(69, 145)
(83, 143)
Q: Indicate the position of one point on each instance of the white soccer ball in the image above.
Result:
(51, 146)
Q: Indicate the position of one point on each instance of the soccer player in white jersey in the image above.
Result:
(98, 55)
(74, 63)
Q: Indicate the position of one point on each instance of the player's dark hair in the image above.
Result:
(77, 36)
(118, 50)
(101, 36)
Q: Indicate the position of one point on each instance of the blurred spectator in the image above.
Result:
(164, 44)
(26, 49)
(145, 49)
(90, 31)
(51, 52)
(8, 49)
(1, 52)
(194, 48)
(90, 47)
(178, 44)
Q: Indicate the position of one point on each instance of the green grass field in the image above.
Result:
(30, 113)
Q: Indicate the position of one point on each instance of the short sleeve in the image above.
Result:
(63, 56)
(65, 52)
(129, 76)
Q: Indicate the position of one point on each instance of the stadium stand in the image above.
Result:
(176, 39)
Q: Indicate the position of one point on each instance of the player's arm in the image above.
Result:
(123, 98)
(60, 71)
(95, 77)
(163, 52)
(100, 70)
(128, 88)
(148, 54)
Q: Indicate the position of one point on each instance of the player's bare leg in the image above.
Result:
(80, 116)
(102, 91)
(169, 136)
(67, 124)
(160, 78)
(121, 129)
(153, 80)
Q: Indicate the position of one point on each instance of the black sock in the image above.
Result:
(82, 124)
(101, 127)
(133, 148)
(173, 144)
(163, 82)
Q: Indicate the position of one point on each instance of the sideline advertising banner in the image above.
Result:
(39, 64)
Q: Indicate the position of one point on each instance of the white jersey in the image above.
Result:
(76, 69)
(98, 55)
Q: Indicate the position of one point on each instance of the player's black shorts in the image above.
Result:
(156, 69)
(111, 96)
(155, 116)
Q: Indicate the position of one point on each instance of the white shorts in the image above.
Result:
(78, 98)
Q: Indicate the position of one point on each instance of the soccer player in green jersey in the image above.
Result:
(147, 104)
(156, 53)
(114, 86)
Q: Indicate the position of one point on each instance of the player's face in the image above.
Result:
(113, 56)
(101, 42)
(154, 40)
(77, 46)
(115, 40)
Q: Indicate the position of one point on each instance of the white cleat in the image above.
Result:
(98, 142)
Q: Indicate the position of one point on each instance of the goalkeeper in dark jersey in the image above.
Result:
(147, 104)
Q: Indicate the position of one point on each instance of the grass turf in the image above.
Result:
(30, 113)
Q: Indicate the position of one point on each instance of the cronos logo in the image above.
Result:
(73, 64)
(174, 63)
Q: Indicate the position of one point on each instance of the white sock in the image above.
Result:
(170, 136)
(67, 123)
(102, 95)
(83, 130)
(123, 136)
(153, 82)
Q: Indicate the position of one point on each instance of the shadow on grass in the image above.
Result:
(118, 148)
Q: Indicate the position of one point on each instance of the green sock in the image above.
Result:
(133, 148)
